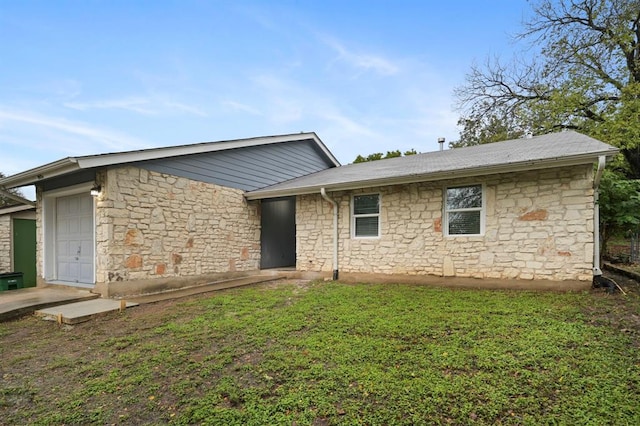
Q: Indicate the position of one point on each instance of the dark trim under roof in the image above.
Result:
(73, 164)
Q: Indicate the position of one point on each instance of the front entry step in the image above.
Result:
(23, 301)
(74, 313)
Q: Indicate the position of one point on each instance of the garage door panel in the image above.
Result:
(71, 205)
(62, 228)
(73, 271)
(74, 239)
(86, 272)
(62, 248)
(65, 271)
(73, 226)
(86, 248)
(85, 226)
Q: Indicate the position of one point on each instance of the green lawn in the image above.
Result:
(329, 353)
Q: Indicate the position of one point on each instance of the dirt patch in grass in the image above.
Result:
(296, 352)
(617, 311)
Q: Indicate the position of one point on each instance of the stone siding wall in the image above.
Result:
(39, 238)
(151, 225)
(539, 225)
(5, 243)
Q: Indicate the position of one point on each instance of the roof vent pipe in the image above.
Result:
(441, 142)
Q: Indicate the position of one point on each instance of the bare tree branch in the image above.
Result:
(588, 55)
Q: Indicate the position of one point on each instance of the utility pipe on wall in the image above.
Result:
(335, 231)
(596, 217)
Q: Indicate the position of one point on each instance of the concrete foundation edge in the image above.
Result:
(118, 289)
(152, 286)
(459, 282)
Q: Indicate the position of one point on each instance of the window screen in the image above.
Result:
(366, 215)
(464, 210)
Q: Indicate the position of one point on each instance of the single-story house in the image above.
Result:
(168, 217)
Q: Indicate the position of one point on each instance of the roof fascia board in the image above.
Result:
(16, 198)
(16, 209)
(430, 177)
(72, 164)
(325, 150)
(29, 177)
(153, 154)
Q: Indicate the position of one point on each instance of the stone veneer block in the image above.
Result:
(156, 226)
(5, 243)
(538, 225)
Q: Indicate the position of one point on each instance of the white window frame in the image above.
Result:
(481, 209)
(354, 216)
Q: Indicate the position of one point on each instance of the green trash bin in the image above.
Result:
(11, 281)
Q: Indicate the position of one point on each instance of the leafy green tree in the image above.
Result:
(371, 157)
(619, 207)
(583, 74)
(380, 156)
(480, 129)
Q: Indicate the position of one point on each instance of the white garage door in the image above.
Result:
(74, 239)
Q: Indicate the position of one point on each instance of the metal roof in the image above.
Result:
(72, 164)
(551, 150)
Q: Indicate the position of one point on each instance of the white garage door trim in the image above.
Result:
(52, 253)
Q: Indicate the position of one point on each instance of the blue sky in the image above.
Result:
(88, 77)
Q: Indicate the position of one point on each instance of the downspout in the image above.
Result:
(596, 217)
(335, 232)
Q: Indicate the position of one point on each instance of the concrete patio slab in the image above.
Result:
(74, 313)
(62, 300)
(15, 303)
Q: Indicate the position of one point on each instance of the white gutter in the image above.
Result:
(335, 231)
(349, 184)
(29, 177)
(596, 217)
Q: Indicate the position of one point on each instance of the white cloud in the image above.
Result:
(138, 104)
(44, 127)
(134, 104)
(259, 15)
(283, 100)
(348, 125)
(64, 88)
(14, 162)
(361, 61)
(185, 108)
(239, 106)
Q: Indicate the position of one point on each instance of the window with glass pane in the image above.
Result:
(464, 210)
(366, 215)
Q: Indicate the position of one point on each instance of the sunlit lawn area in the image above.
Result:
(330, 353)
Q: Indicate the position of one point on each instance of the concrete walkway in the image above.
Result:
(14, 303)
(74, 313)
(61, 303)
